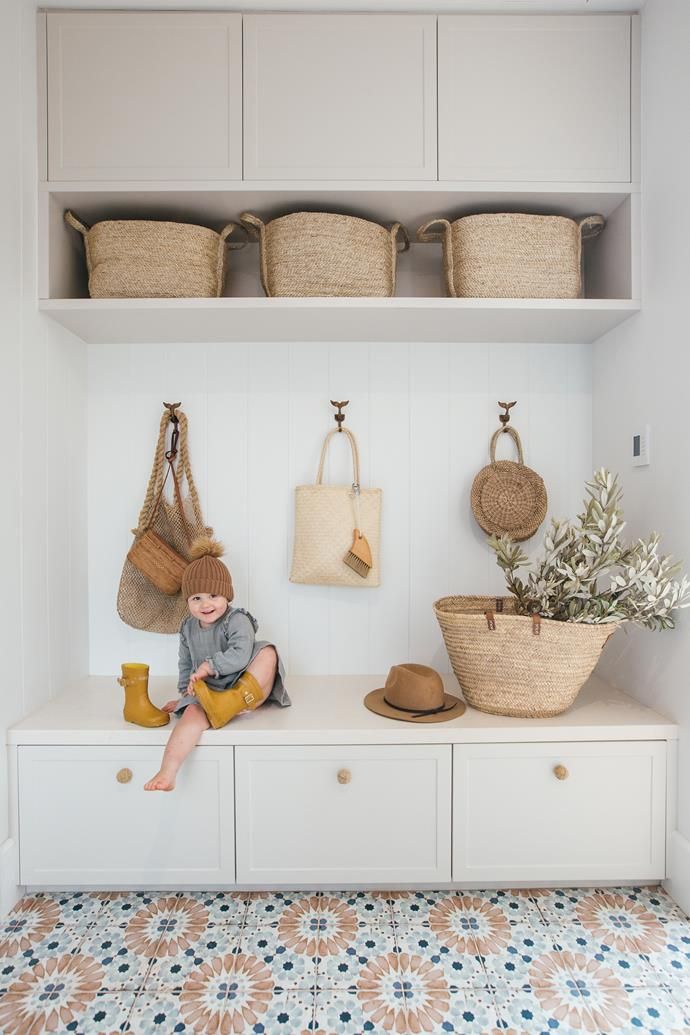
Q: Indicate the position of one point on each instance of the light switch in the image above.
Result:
(640, 447)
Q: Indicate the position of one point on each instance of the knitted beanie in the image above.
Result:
(205, 573)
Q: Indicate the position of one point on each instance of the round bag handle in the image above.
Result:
(516, 439)
(400, 237)
(355, 454)
(591, 226)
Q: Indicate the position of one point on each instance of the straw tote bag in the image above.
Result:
(325, 518)
(149, 595)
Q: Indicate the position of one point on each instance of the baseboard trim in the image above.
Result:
(10, 891)
(677, 884)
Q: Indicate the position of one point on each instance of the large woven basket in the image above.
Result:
(512, 255)
(322, 254)
(521, 665)
(142, 258)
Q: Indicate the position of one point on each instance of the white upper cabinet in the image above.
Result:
(339, 97)
(533, 98)
(139, 96)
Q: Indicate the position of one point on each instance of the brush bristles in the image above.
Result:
(359, 566)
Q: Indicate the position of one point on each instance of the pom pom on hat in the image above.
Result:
(204, 546)
(205, 573)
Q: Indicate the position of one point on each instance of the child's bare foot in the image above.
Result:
(162, 781)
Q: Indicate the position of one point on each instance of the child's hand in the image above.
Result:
(169, 706)
(203, 672)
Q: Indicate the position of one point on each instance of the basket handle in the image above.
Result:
(516, 439)
(227, 230)
(223, 243)
(591, 226)
(252, 224)
(75, 223)
(427, 236)
(355, 455)
(400, 237)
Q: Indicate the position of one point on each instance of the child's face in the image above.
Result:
(207, 607)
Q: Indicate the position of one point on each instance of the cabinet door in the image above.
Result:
(339, 97)
(534, 98)
(350, 814)
(518, 817)
(80, 825)
(143, 96)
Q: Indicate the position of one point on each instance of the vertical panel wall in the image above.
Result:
(423, 415)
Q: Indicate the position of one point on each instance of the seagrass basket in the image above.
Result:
(322, 254)
(521, 665)
(512, 255)
(144, 258)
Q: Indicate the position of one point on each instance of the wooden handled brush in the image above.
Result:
(359, 556)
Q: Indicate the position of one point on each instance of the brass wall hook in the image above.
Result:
(339, 417)
(174, 420)
(505, 417)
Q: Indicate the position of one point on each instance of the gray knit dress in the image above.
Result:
(229, 645)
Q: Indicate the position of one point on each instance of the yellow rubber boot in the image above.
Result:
(222, 705)
(138, 708)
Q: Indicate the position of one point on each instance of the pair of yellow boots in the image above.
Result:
(220, 706)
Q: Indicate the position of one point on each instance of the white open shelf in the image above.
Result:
(137, 320)
(418, 312)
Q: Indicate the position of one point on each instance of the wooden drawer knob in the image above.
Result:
(124, 775)
(560, 772)
(344, 776)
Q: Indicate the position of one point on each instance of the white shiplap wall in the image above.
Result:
(423, 415)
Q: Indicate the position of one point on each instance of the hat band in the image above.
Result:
(417, 714)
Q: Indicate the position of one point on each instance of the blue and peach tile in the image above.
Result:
(222, 907)
(341, 961)
(292, 961)
(266, 907)
(457, 965)
(631, 968)
(169, 971)
(468, 1011)
(123, 967)
(513, 963)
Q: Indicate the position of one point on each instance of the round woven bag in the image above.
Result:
(508, 498)
(522, 665)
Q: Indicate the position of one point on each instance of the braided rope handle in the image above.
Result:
(154, 489)
(516, 439)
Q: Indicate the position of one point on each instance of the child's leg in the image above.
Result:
(182, 739)
(263, 668)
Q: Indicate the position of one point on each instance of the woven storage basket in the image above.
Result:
(512, 255)
(319, 254)
(521, 665)
(508, 498)
(141, 258)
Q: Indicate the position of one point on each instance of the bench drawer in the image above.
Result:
(85, 821)
(559, 811)
(349, 814)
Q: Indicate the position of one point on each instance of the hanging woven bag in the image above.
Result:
(149, 595)
(508, 498)
(330, 522)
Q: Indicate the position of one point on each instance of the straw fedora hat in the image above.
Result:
(414, 693)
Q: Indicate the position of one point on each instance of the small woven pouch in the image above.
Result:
(508, 498)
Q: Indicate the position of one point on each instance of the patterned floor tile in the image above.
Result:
(514, 961)
(105, 1014)
(266, 907)
(631, 968)
(528, 1011)
(61, 941)
(120, 906)
(342, 960)
(517, 905)
(170, 971)
(652, 898)
(292, 962)
(450, 961)
(78, 907)
(368, 907)
(414, 907)
(671, 960)
(51, 995)
(560, 905)
(469, 1011)
(223, 907)
(377, 1006)
(156, 1013)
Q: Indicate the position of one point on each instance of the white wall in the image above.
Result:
(423, 415)
(43, 610)
(641, 372)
